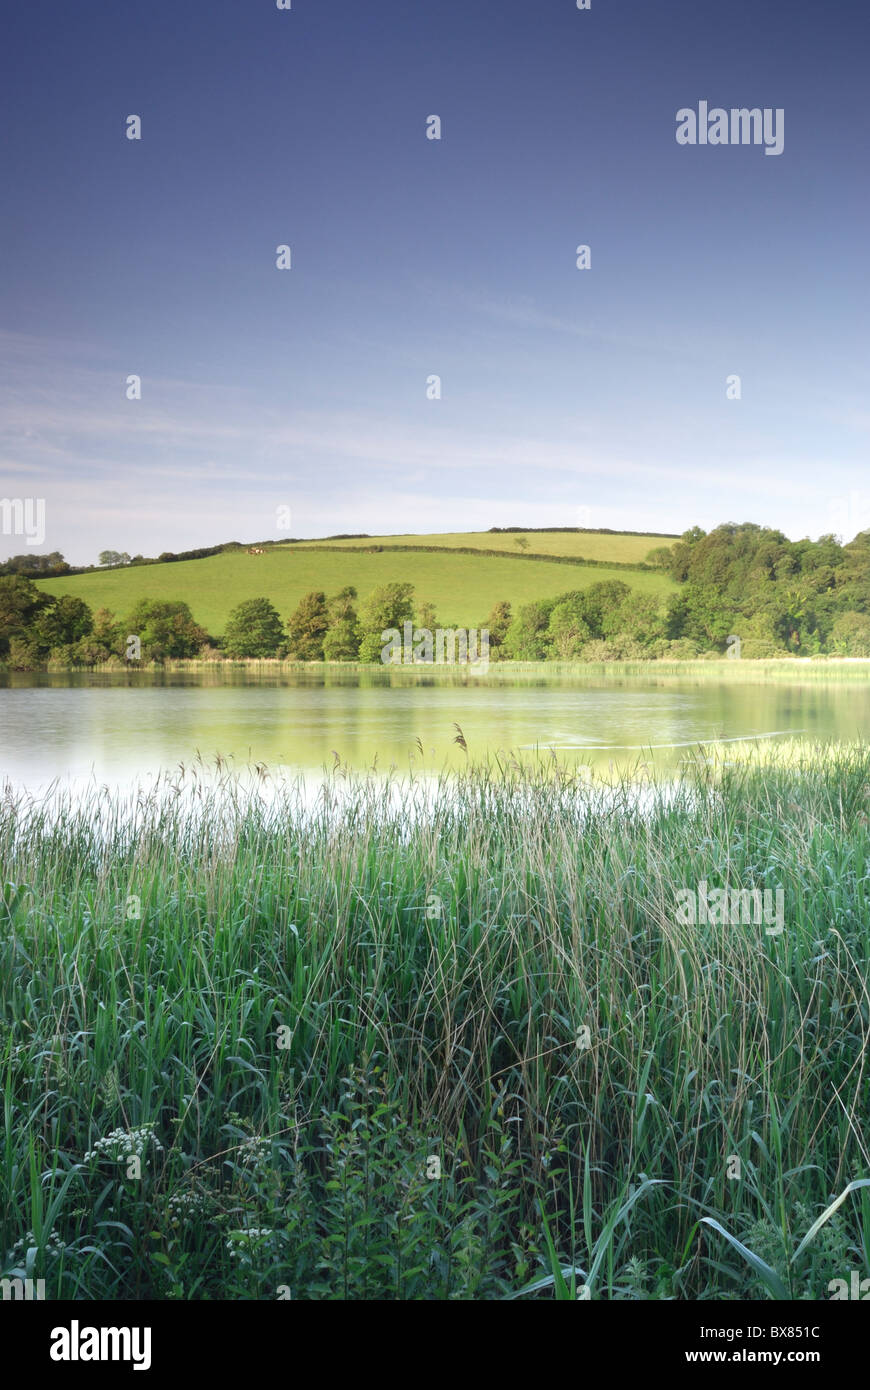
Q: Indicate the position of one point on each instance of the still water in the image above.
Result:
(123, 730)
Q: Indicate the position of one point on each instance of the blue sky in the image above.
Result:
(568, 397)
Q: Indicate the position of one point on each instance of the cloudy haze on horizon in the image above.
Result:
(570, 396)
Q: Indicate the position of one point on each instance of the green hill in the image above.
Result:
(462, 587)
(601, 546)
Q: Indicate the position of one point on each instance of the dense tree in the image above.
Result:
(387, 607)
(254, 629)
(607, 605)
(307, 627)
(342, 604)
(165, 628)
(341, 642)
(20, 603)
(850, 634)
(104, 643)
(497, 625)
(526, 638)
(609, 611)
(751, 580)
(645, 617)
(567, 629)
(31, 564)
(681, 553)
(62, 623)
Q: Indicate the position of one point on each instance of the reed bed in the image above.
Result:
(438, 1039)
(713, 669)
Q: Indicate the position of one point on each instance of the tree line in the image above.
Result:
(780, 597)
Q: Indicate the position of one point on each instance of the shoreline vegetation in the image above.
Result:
(712, 667)
(253, 1048)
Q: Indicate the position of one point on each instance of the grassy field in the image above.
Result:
(587, 545)
(462, 587)
(468, 1051)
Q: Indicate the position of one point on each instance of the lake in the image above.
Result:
(121, 729)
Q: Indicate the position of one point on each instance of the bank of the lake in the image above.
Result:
(713, 668)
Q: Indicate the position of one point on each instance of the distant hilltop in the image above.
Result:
(53, 563)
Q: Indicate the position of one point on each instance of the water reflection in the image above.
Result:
(124, 729)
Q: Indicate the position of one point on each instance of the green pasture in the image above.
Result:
(463, 588)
